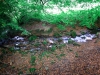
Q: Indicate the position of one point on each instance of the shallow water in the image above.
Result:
(38, 44)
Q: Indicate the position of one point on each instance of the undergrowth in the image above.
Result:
(85, 18)
(14, 14)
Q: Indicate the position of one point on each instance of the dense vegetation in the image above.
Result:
(14, 13)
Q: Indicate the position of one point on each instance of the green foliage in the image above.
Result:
(81, 17)
(56, 34)
(14, 14)
(62, 54)
(23, 53)
(58, 57)
(70, 41)
(4, 51)
(88, 17)
(76, 44)
(76, 54)
(53, 48)
(73, 34)
(32, 70)
(45, 42)
(33, 58)
(44, 53)
(61, 46)
(73, 42)
(61, 27)
(32, 38)
(12, 50)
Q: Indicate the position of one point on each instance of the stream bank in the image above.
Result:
(64, 55)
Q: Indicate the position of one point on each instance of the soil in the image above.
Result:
(70, 60)
(82, 59)
(47, 29)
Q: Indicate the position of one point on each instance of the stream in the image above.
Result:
(45, 43)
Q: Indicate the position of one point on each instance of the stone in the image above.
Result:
(98, 35)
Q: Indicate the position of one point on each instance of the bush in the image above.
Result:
(14, 13)
(83, 17)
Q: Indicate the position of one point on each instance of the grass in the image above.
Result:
(56, 34)
(23, 53)
(8, 50)
(70, 41)
(32, 38)
(44, 53)
(32, 70)
(45, 42)
(51, 51)
(82, 32)
(32, 61)
(58, 57)
(61, 45)
(4, 51)
(73, 34)
(53, 48)
(76, 44)
(73, 42)
(12, 50)
(76, 54)
(62, 55)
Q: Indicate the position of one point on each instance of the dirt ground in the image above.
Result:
(70, 60)
(83, 59)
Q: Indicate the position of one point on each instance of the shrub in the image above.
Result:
(14, 13)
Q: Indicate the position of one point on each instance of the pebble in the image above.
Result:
(50, 41)
(18, 38)
(65, 41)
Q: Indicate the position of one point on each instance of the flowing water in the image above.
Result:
(43, 43)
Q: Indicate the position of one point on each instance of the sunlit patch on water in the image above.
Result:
(84, 38)
(18, 38)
